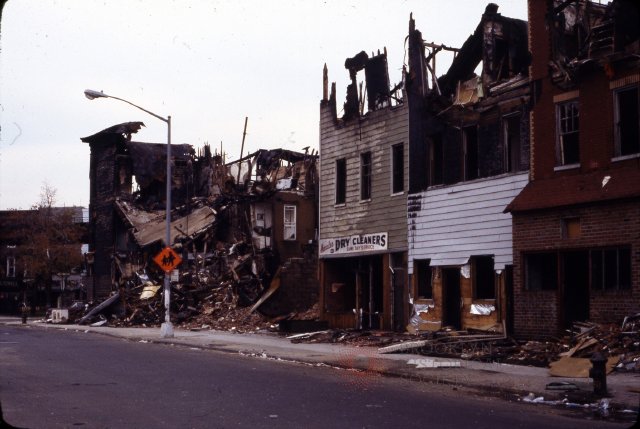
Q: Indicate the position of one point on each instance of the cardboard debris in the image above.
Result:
(577, 367)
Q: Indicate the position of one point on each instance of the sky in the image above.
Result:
(208, 64)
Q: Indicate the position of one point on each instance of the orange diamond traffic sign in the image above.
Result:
(167, 259)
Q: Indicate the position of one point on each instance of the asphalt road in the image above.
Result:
(66, 379)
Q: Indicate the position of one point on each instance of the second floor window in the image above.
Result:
(627, 121)
(365, 176)
(11, 266)
(289, 222)
(470, 147)
(568, 147)
(511, 130)
(397, 168)
(341, 181)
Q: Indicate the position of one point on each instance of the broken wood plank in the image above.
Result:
(404, 346)
(98, 308)
(275, 285)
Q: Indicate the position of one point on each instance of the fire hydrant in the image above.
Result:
(599, 374)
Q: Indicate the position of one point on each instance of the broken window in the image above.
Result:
(289, 222)
(511, 129)
(541, 271)
(365, 176)
(627, 120)
(422, 270)
(483, 277)
(568, 136)
(470, 143)
(11, 266)
(611, 269)
(436, 161)
(341, 181)
(397, 168)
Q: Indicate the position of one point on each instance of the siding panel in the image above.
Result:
(452, 223)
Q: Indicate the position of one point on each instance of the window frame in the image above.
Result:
(340, 181)
(618, 144)
(567, 126)
(480, 289)
(603, 253)
(288, 225)
(527, 271)
(470, 152)
(423, 272)
(436, 160)
(365, 176)
(397, 169)
(11, 267)
(512, 148)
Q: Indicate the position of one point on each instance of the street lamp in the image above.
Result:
(166, 330)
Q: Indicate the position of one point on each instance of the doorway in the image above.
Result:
(369, 279)
(575, 286)
(451, 297)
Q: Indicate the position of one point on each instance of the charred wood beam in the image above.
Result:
(563, 5)
(99, 308)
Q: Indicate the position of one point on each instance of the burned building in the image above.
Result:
(469, 146)
(576, 227)
(248, 225)
(363, 185)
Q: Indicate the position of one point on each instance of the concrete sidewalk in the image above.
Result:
(510, 381)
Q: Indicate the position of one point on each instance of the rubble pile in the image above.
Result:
(224, 259)
(622, 343)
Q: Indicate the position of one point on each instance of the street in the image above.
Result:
(56, 379)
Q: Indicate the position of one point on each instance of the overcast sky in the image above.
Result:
(208, 64)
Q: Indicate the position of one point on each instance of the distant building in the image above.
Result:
(36, 246)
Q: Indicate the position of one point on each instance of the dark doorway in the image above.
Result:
(575, 282)
(398, 288)
(370, 277)
(508, 298)
(451, 297)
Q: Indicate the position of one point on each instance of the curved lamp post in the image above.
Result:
(166, 330)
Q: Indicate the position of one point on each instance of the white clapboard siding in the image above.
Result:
(449, 224)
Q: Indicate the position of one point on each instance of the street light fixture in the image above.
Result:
(166, 330)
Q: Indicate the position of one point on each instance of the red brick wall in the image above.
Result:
(536, 313)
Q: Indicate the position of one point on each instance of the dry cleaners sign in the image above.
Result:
(353, 244)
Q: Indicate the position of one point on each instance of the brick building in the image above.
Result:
(576, 225)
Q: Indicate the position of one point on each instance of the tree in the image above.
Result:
(52, 240)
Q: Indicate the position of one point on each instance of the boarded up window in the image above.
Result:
(571, 228)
